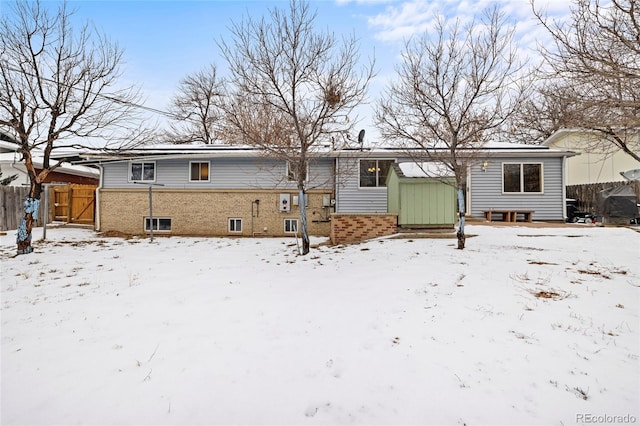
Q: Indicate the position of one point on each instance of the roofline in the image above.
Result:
(567, 131)
(95, 158)
(561, 132)
(66, 168)
(468, 153)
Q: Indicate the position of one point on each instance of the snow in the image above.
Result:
(424, 169)
(192, 330)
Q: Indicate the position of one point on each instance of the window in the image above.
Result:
(199, 171)
(291, 226)
(143, 172)
(373, 173)
(291, 174)
(159, 224)
(522, 177)
(235, 225)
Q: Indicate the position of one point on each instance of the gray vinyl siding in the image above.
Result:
(353, 199)
(486, 189)
(224, 173)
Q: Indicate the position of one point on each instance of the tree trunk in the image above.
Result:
(303, 222)
(461, 211)
(31, 208)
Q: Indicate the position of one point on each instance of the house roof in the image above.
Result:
(427, 169)
(219, 150)
(9, 155)
(561, 133)
(6, 146)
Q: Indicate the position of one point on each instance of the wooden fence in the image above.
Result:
(11, 208)
(586, 195)
(67, 203)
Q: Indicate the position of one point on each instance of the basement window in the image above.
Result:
(291, 226)
(235, 225)
(159, 224)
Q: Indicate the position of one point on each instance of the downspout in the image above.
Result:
(254, 213)
(100, 185)
(20, 172)
(467, 195)
(336, 168)
(564, 188)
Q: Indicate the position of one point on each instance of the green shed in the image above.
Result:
(418, 199)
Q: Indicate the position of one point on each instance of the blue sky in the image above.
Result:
(166, 40)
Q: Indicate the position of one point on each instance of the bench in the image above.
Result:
(509, 215)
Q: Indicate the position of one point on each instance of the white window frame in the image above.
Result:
(156, 222)
(290, 221)
(392, 160)
(143, 163)
(234, 220)
(522, 186)
(289, 174)
(208, 179)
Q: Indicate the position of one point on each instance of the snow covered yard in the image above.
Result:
(525, 326)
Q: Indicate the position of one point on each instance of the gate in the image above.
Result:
(73, 203)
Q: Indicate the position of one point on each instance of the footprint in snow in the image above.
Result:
(313, 409)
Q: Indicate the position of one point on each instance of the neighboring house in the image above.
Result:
(599, 161)
(232, 190)
(69, 200)
(11, 164)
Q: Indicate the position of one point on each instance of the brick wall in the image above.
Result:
(346, 228)
(207, 212)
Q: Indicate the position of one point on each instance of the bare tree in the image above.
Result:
(453, 92)
(548, 109)
(196, 107)
(293, 88)
(57, 89)
(597, 54)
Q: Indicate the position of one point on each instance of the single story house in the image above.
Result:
(236, 190)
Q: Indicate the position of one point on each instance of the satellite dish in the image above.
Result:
(633, 175)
